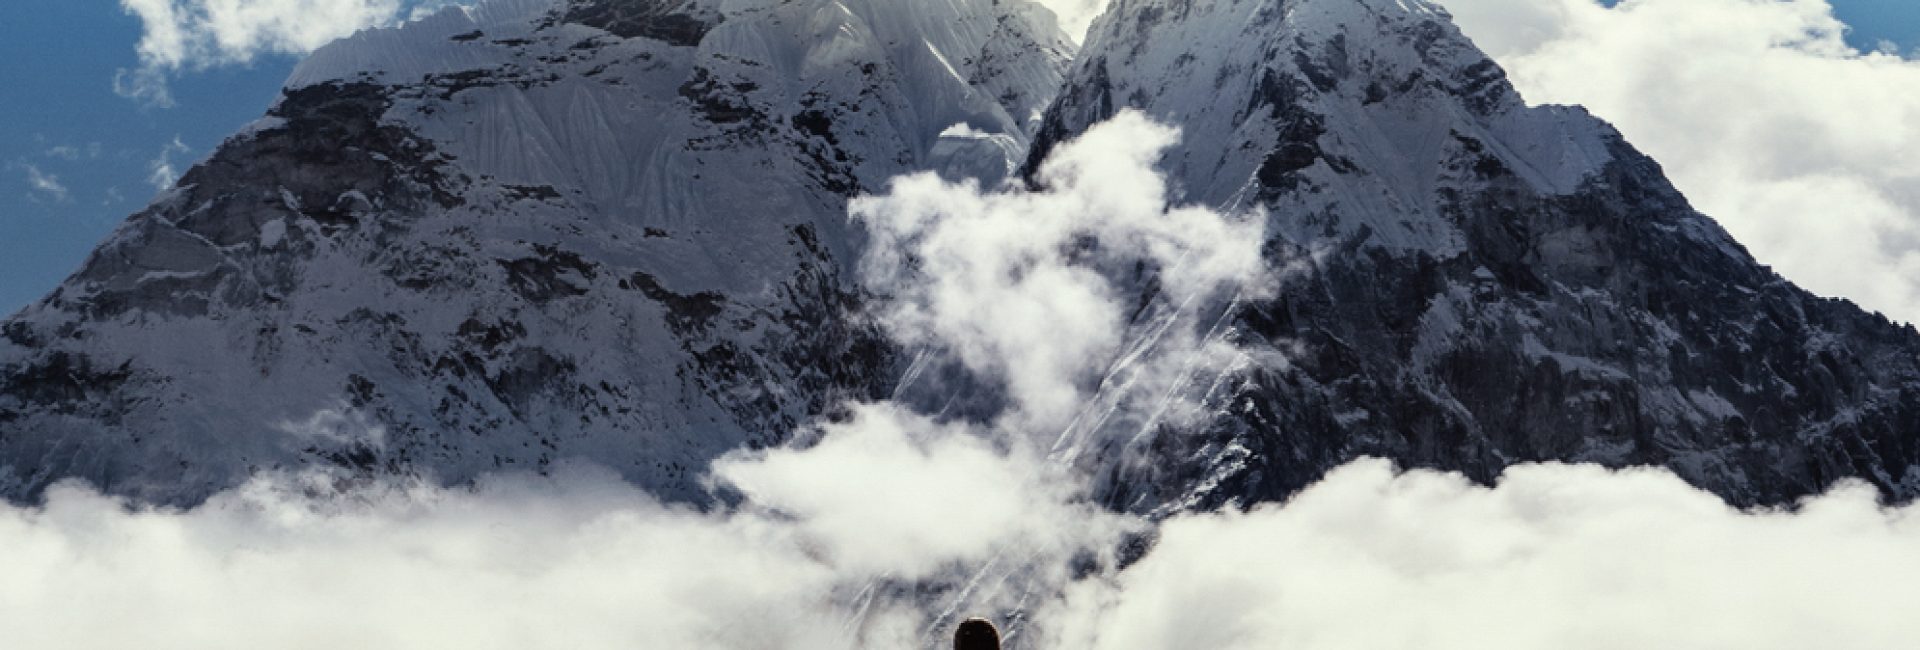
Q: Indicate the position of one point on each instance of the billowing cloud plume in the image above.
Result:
(1032, 288)
(196, 34)
(1761, 113)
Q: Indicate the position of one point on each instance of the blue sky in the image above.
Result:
(76, 158)
(63, 120)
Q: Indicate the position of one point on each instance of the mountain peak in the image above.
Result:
(1388, 79)
(508, 236)
(1479, 282)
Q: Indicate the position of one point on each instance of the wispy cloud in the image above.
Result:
(44, 185)
(71, 153)
(160, 171)
(1076, 15)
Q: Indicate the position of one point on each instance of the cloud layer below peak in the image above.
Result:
(1554, 557)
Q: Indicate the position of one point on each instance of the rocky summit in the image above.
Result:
(615, 231)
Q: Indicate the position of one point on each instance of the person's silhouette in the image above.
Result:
(976, 634)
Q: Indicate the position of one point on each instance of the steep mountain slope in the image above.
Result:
(517, 235)
(1485, 283)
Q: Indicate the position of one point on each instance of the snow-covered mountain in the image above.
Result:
(512, 236)
(1488, 283)
(616, 230)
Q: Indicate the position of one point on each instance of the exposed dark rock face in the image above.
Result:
(1648, 351)
(676, 22)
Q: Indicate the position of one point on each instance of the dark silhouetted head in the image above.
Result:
(976, 634)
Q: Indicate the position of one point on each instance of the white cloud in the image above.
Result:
(1760, 112)
(424, 8)
(161, 172)
(1075, 15)
(893, 493)
(1567, 557)
(146, 84)
(197, 34)
(44, 185)
(295, 562)
(1029, 288)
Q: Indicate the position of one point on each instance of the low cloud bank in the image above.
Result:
(1570, 557)
(291, 562)
(1555, 557)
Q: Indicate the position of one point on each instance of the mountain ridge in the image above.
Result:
(518, 218)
